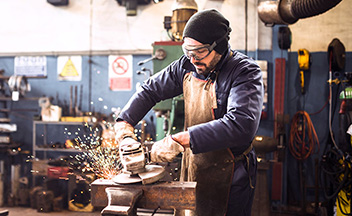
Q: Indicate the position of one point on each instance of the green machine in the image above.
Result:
(169, 113)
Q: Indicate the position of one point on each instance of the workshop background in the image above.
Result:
(87, 57)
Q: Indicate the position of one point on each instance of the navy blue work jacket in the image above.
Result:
(239, 93)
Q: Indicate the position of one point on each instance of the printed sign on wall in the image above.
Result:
(120, 73)
(30, 66)
(69, 68)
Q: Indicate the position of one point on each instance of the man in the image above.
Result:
(223, 96)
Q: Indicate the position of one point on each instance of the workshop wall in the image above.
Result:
(315, 33)
(314, 102)
(102, 27)
(97, 98)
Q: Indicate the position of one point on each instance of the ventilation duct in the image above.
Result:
(290, 11)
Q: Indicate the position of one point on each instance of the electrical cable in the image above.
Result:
(321, 109)
(337, 173)
(330, 104)
(303, 138)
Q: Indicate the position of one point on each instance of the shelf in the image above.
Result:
(60, 123)
(58, 149)
(43, 126)
(2, 98)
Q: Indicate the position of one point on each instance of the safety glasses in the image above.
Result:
(202, 51)
(198, 52)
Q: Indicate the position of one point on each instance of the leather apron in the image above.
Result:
(212, 171)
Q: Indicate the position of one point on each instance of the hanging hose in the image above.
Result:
(303, 138)
(308, 8)
(337, 174)
(290, 11)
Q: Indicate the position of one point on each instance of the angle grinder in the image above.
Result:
(134, 161)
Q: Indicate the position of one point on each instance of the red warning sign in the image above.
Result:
(120, 65)
(120, 73)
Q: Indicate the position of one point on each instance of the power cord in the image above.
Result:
(303, 138)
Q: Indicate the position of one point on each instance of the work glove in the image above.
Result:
(165, 150)
(123, 130)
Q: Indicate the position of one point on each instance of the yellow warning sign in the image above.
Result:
(69, 69)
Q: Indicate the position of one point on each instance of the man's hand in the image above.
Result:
(122, 130)
(165, 150)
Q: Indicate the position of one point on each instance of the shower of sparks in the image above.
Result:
(97, 155)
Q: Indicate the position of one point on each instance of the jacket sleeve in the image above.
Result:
(162, 85)
(237, 127)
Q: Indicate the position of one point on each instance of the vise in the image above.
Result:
(120, 199)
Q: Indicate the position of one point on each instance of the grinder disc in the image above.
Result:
(151, 174)
(125, 178)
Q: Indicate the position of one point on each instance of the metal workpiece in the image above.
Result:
(163, 195)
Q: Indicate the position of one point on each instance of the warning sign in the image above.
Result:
(120, 65)
(120, 73)
(69, 68)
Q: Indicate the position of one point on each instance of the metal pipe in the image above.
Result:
(290, 11)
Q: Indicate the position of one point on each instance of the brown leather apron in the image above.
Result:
(212, 171)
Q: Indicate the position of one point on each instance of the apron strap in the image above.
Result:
(243, 156)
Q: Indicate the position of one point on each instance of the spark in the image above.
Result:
(97, 155)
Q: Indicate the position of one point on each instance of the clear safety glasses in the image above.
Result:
(202, 51)
(198, 52)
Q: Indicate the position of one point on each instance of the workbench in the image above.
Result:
(163, 195)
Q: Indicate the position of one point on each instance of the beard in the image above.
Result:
(207, 68)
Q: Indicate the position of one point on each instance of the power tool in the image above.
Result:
(304, 64)
(135, 161)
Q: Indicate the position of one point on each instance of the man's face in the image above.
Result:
(208, 60)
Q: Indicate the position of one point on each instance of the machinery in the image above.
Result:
(135, 168)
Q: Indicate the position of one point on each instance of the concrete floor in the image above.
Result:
(26, 211)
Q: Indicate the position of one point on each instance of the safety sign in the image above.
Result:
(69, 68)
(30, 66)
(120, 73)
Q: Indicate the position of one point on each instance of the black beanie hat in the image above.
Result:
(208, 26)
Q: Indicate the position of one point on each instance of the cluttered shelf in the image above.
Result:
(48, 137)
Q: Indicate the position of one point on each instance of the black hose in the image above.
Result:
(332, 171)
(309, 8)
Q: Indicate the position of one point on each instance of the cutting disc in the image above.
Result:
(151, 174)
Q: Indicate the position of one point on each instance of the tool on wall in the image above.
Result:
(304, 61)
(18, 86)
(160, 54)
(75, 108)
(284, 37)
